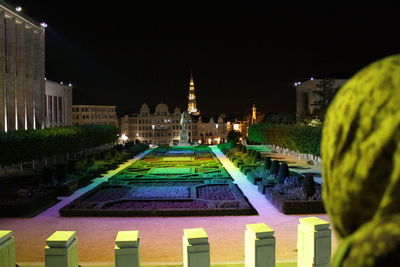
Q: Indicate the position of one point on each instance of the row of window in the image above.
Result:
(76, 117)
(94, 109)
(102, 123)
(164, 127)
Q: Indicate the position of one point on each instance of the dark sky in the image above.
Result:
(126, 55)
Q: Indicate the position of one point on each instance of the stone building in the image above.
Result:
(94, 114)
(22, 61)
(58, 104)
(161, 126)
(305, 97)
(241, 122)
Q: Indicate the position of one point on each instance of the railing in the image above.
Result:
(301, 156)
(313, 244)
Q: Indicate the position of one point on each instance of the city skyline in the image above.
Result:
(129, 57)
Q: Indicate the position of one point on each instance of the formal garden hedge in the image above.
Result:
(25, 145)
(300, 138)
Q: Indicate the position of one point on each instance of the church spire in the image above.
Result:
(192, 109)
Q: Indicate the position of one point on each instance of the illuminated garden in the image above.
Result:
(176, 181)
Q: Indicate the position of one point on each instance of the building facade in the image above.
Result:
(161, 126)
(305, 97)
(242, 122)
(94, 114)
(22, 62)
(58, 104)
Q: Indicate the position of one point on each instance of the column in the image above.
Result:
(10, 73)
(196, 249)
(3, 103)
(7, 249)
(61, 250)
(259, 250)
(28, 83)
(127, 249)
(20, 73)
(313, 242)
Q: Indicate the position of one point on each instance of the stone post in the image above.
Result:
(61, 250)
(259, 246)
(196, 249)
(127, 249)
(7, 249)
(313, 243)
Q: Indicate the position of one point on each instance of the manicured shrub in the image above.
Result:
(267, 163)
(309, 185)
(47, 175)
(283, 172)
(300, 138)
(60, 172)
(274, 167)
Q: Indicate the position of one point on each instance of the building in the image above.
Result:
(58, 103)
(94, 114)
(305, 97)
(161, 126)
(22, 61)
(241, 122)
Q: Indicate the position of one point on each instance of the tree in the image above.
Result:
(324, 93)
(234, 136)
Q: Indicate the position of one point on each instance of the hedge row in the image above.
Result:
(300, 138)
(25, 145)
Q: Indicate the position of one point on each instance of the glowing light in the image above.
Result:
(124, 137)
(70, 84)
(61, 83)
(45, 78)
(199, 141)
(216, 126)
(18, 9)
(43, 24)
(312, 79)
(137, 134)
(236, 127)
(153, 126)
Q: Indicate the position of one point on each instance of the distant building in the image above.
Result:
(241, 122)
(160, 126)
(58, 104)
(305, 97)
(94, 114)
(22, 61)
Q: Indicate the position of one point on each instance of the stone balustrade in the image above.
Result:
(313, 244)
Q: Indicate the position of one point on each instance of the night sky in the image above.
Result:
(120, 55)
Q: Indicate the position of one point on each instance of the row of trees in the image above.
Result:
(26, 145)
(301, 138)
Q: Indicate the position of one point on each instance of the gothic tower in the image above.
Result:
(253, 114)
(192, 98)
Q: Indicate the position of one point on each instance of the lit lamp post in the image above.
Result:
(154, 137)
(124, 138)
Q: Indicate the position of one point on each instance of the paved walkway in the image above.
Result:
(161, 238)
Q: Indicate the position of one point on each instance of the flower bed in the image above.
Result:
(288, 206)
(174, 198)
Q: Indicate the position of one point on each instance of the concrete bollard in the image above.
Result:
(61, 250)
(127, 249)
(259, 246)
(7, 249)
(313, 243)
(196, 249)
